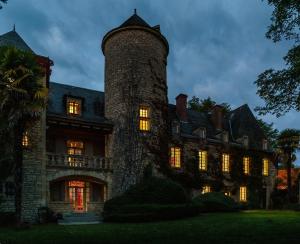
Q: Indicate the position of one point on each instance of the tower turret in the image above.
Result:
(135, 99)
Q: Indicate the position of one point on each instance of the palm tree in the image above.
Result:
(22, 101)
(288, 143)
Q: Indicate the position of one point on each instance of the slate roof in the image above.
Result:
(92, 102)
(135, 20)
(12, 38)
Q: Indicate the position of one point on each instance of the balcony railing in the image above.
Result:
(78, 161)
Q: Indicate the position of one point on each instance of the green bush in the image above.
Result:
(152, 199)
(150, 212)
(215, 202)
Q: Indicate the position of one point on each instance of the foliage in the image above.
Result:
(270, 132)
(216, 202)
(2, 1)
(288, 143)
(206, 105)
(280, 89)
(22, 101)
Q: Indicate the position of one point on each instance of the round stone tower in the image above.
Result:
(136, 100)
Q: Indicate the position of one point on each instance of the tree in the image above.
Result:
(288, 142)
(281, 89)
(22, 100)
(2, 1)
(205, 105)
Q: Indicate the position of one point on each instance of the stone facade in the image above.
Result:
(135, 75)
(116, 152)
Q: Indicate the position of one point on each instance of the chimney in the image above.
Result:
(181, 102)
(217, 117)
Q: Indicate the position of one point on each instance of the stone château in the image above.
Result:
(90, 146)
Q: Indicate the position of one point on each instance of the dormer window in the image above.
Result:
(246, 141)
(74, 106)
(225, 137)
(144, 118)
(175, 127)
(202, 133)
(264, 144)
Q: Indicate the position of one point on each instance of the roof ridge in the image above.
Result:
(63, 84)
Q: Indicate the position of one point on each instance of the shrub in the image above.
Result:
(216, 202)
(152, 199)
(150, 212)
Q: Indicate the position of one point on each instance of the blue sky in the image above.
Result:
(217, 47)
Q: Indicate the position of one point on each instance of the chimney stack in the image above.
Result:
(181, 110)
(217, 116)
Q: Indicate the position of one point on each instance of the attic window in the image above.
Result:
(225, 136)
(74, 106)
(202, 133)
(264, 144)
(245, 141)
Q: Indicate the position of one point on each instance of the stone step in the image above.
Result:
(80, 218)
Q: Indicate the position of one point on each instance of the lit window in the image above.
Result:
(75, 149)
(246, 165)
(175, 159)
(25, 139)
(265, 167)
(203, 160)
(144, 119)
(227, 193)
(225, 162)
(74, 106)
(243, 194)
(206, 189)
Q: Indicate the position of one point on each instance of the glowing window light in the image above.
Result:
(246, 165)
(144, 119)
(265, 167)
(203, 160)
(206, 189)
(243, 194)
(25, 139)
(175, 159)
(225, 162)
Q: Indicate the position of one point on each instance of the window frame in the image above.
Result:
(206, 189)
(243, 194)
(175, 154)
(265, 167)
(225, 162)
(202, 160)
(144, 120)
(246, 162)
(25, 139)
(77, 101)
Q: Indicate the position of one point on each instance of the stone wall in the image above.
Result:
(135, 75)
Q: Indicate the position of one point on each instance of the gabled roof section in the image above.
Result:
(135, 20)
(12, 38)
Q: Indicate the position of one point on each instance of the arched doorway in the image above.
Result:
(77, 194)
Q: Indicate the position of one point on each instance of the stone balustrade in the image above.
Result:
(78, 161)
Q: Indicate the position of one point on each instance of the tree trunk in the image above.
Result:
(18, 175)
(289, 176)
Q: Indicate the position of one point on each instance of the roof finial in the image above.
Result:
(14, 28)
(135, 11)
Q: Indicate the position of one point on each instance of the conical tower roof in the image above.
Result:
(12, 38)
(135, 20)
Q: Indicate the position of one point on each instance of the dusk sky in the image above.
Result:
(217, 47)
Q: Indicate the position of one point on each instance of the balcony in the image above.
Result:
(78, 162)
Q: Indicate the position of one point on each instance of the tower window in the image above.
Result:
(225, 162)
(246, 165)
(243, 194)
(203, 160)
(265, 167)
(206, 189)
(144, 119)
(175, 159)
(25, 139)
(74, 106)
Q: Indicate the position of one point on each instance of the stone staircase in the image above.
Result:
(80, 219)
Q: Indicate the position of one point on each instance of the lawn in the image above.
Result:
(245, 227)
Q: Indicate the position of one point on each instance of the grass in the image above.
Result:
(245, 227)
